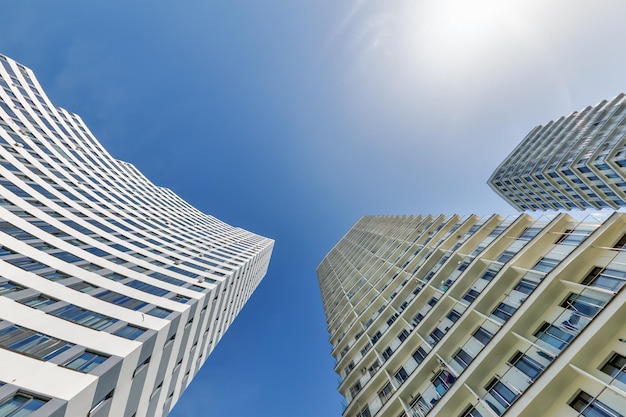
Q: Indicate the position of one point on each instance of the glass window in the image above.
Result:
(84, 317)
(471, 295)
(609, 279)
(525, 286)
(482, 335)
(527, 365)
(364, 412)
(471, 412)
(130, 332)
(553, 336)
(86, 362)
(504, 311)
(20, 405)
(545, 265)
(401, 375)
(38, 301)
(443, 381)
(159, 312)
(615, 367)
(588, 406)
(502, 394)
(583, 305)
(181, 299)
(121, 300)
(142, 286)
(419, 355)
(387, 353)
(354, 390)
(385, 393)
(9, 287)
(463, 358)
(40, 346)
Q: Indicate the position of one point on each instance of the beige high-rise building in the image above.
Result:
(467, 316)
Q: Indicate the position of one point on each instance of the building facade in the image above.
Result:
(113, 291)
(468, 316)
(575, 162)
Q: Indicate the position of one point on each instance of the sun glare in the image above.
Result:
(453, 35)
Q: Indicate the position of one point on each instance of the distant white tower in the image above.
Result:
(113, 291)
(575, 162)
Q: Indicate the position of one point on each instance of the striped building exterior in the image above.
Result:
(113, 291)
(575, 162)
(468, 316)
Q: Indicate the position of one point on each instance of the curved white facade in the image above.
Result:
(113, 291)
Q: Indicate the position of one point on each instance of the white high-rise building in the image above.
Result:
(575, 162)
(467, 316)
(113, 291)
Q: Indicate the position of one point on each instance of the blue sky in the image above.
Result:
(293, 118)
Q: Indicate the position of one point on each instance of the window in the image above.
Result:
(609, 279)
(403, 335)
(385, 393)
(29, 342)
(354, 390)
(502, 394)
(506, 256)
(588, 406)
(419, 355)
(121, 300)
(471, 295)
(443, 381)
(482, 335)
(372, 369)
(436, 335)
(583, 305)
(130, 332)
(55, 276)
(463, 358)
(365, 412)
(470, 412)
(615, 367)
(145, 287)
(86, 362)
(20, 405)
(453, 316)
(503, 311)
(387, 353)
(83, 317)
(181, 299)
(525, 364)
(553, 336)
(83, 287)
(9, 287)
(38, 301)
(525, 286)
(401, 375)
(545, 265)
